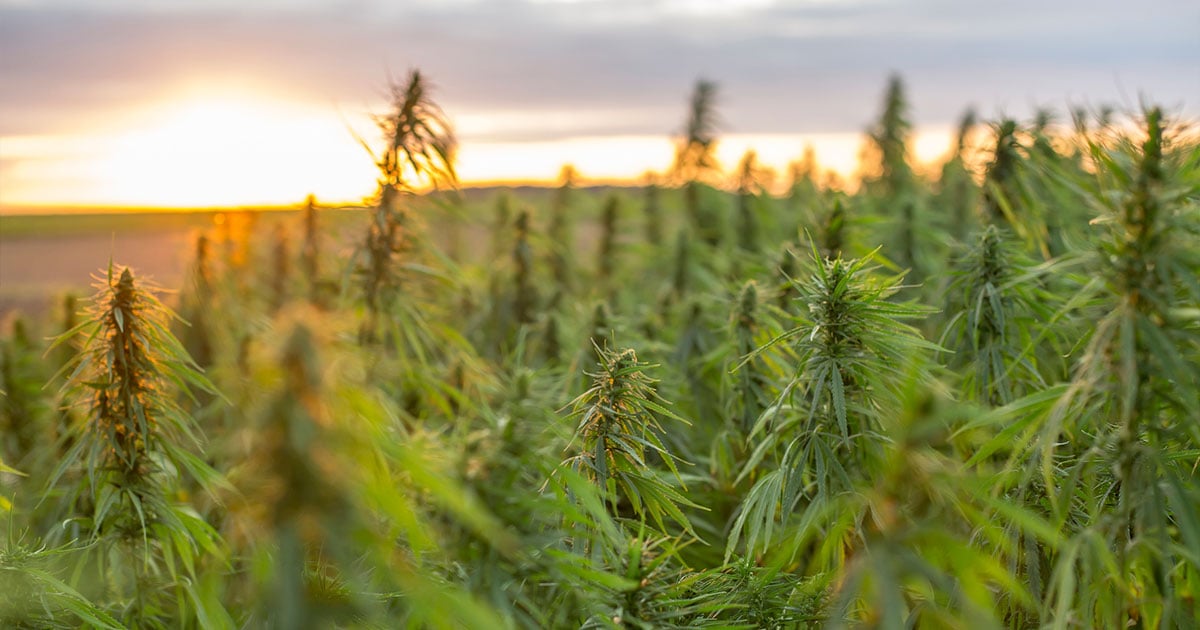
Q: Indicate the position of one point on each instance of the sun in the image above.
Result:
(234, 151)
(224, 151)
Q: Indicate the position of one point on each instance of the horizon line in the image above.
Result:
(50, 208)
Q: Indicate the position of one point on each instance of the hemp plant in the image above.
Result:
(682, 271)
(652, 211)
(803, 189)
(747, 390)
(750, 176)
(501, 226)
(420, 146)
(560, 232)
(131, 446)
(525, 295)
(1000, 191)
(24, 411)
(295, 478)
(280, 269)
(197, 305)
(786, 266)
(619, 435)
(995, 303)
(32, 595)
(956, 189)
(833, 229)
(695, 160)
(695, 153)
(1124, 433)
(310, 254)
(921, 539)
(607, 256)
(853, 351)
(750, 388)
(889, 141)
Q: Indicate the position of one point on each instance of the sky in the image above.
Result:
(238, 102)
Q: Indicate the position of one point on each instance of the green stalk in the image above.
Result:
(525, 296)
(653, 214)
(310, 256)
(606, 266)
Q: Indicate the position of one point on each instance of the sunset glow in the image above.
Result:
(220, 103)
(238, 150)
(200, 152)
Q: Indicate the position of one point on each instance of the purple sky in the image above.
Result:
(537, 71)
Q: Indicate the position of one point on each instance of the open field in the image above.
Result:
(36, 269)
(968, 401)
(45, 256)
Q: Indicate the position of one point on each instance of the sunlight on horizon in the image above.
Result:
(199, 152)
(629, 157)
(238, 150)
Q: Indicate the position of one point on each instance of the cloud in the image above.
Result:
(592, 67)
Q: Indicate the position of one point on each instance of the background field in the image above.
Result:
(962, 400)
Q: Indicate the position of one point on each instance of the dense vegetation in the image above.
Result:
(963, 401)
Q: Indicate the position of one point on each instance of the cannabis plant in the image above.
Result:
(197, 304)
(33, 593)
(560, 231)
(501, 226)
(1001, 188)
(956, 194)
(652, 212)
(749, 184)
(619, 438)
(924, 545)
(695, 151)
(803, 188)
(25, 412)
(419, 147)
(1135, 394)
(280, 269)
(749, 388)
(889, 141)
(338, 498)
(310, 255)
(995, 305)
(607, 255)
(695, 160)
(525, 295)
(131, 446)
(827, 427)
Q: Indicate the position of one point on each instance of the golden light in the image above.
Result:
(626, 158)
(208, 148)
(196, 152)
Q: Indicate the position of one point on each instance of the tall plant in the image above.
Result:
(826, 430)
(560, 230)
(1001, 188)
(695, 160)
(132, 445)
(1135, 394)
(606, 263)
(956, 189)
(750, 176)
(994, 306)
(619, 436)
(420, 147)
(889, 140)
